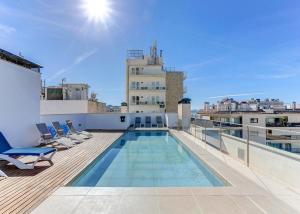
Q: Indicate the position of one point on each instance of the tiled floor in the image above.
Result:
(249, 193)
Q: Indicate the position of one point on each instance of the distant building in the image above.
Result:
(67, 92)
(231, 105)
(111, 108)
(70, 98)
(149, 86)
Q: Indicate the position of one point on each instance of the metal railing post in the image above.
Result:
(205, 132)
(195, 129)
(248, 145)
(220, 136)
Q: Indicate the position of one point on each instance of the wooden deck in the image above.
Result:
(24, 190)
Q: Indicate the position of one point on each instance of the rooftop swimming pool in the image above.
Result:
(147, 159)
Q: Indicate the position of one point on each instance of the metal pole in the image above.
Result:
(220, 137)
(205, 132)
(248, 145)
(195, 129)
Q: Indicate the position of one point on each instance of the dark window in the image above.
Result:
(253, 120)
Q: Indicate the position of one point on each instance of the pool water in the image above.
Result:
(147, 159)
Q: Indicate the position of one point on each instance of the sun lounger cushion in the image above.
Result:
(29, 151)
(6, 149)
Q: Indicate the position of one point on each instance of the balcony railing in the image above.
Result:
(139, 73)
(160, 88)
(147, 103)
(214, 133)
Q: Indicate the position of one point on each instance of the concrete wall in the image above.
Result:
(64, 107)
(108, 121)
(79, 120)
(20, 104)
(265, 159)
(96, 107)
(172, 120)
(174, 92)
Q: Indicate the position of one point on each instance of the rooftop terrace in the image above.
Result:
(43, 190)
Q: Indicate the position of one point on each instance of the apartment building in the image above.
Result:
(149, 86)
(70, 98)
(280, 129)
(70, 91)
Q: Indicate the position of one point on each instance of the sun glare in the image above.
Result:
(97, 10)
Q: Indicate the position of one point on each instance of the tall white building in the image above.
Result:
(147, 83)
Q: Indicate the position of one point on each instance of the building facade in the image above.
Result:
(20, 85)
(70, 98)
(71, 91)
(150, 88)
(280, 129)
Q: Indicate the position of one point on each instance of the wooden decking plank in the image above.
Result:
(23, 193)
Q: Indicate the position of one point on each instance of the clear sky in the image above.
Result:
(239, 48)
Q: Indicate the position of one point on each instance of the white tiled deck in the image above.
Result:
(249, 193)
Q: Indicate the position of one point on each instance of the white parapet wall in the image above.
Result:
(78, 120)
(265, 159)
(107, 121)
(20, 104)
(64, 107)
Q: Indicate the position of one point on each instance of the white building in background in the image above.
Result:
(149, 87)
(231, 105)
(20, 84)
(70, 91)
(71, 98)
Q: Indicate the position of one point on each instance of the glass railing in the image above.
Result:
(219, 134)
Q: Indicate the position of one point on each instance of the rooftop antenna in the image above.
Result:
(20, 54)
(63, 80)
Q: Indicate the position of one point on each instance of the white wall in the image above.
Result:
(64, 107)
(107, 121)
(172, 120)
(280, 164)
(20, 104)
(78, 120)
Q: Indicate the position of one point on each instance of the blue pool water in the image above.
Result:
(147, 159)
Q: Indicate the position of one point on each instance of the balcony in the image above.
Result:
(159, 88)
(147, 103)
(147, 74)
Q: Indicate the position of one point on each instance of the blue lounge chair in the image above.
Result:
(85, 134)
(2, 174)
(68, 132)
(49, 135)
(61, 133)
(159, 121)
(8, 153)
(148, 122)
(137, 122)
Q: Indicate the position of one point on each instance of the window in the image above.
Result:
(253, 120)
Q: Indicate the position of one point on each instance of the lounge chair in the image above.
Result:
(159, 121)
(84, 134)
(60, 132)
(8, 153)
(47, 137)
(2, 174)
(148, 121)
(68, 132)
(137, 122)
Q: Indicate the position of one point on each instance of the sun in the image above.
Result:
(97, 10)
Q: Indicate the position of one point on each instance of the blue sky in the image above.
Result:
(239, 48)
